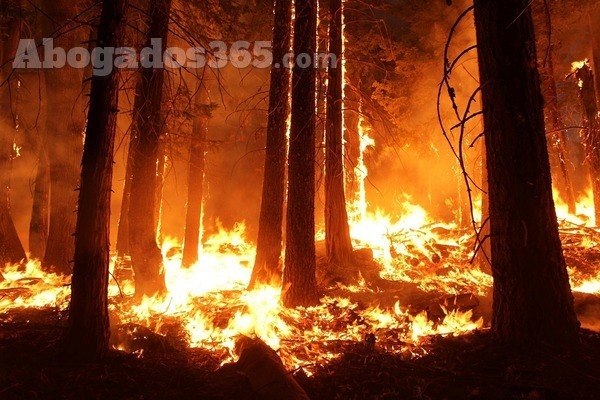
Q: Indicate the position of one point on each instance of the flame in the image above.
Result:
(585, 216)
(210, 303)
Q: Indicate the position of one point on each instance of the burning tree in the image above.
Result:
(146, 256)
(552, 111)
(299, 280)
(532, 297)
(197, 164)
(267, 268)
(11, 249)
(88, 331)
(64, 129)
(591, 133)
(337, 230)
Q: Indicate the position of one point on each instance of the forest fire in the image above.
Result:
(346, 200)
(209, 301)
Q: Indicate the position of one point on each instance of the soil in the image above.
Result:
(467, 367)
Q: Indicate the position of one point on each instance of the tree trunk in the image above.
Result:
(267, 265)
(554, 121)
(123, 230)
(11, 249)
(146, 256)
(64, 130)
(88, 330)
(485, 250)
(594, 21)
(337, 231)
(532, 298)
(161, 165)
(193, 221)
(591, 136)
(352, 140)
(299, 276)
(38, 226)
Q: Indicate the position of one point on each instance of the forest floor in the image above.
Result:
(466, 367)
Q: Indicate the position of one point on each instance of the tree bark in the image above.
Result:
(554, 121)
(591, 136)
(299, 276)
(38, 226)
(533, 303)
(88, 331)
(149, 123)
(123, 230)
(193, 221)
(11, 249)
(161, 165)
(352, 140)
(267, 265)
(337, 230)
(64, 129)
(594, 20)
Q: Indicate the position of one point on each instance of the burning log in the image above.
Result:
(265, 371)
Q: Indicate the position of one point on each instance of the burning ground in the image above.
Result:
(414, 324)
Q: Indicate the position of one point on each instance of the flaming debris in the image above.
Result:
(209, 303)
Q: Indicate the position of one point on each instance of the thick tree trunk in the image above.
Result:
(267, 265)
(554, 121)
(11, 249)
(337, 230)
(299, 276)
(88, 331)
(38, 226)
(193, 221)
(64, 129)
(146, 256)
(591, 136)
(532, 298)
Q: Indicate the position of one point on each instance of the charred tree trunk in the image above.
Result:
(88, 330)
(554, 121)
(267, 265)
(591, 136)
(594, 21)
(337, 230)
(193, 221)
(161, 165)
(11, 249)
(299, 276)
(485, 250)
(123, 230)
(530, 274)
(38, 226)
(351, 140)
(64, 129)
(146, 256)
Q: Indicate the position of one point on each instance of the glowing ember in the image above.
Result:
(211, 306)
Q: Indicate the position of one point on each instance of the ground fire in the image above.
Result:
(345, 200)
